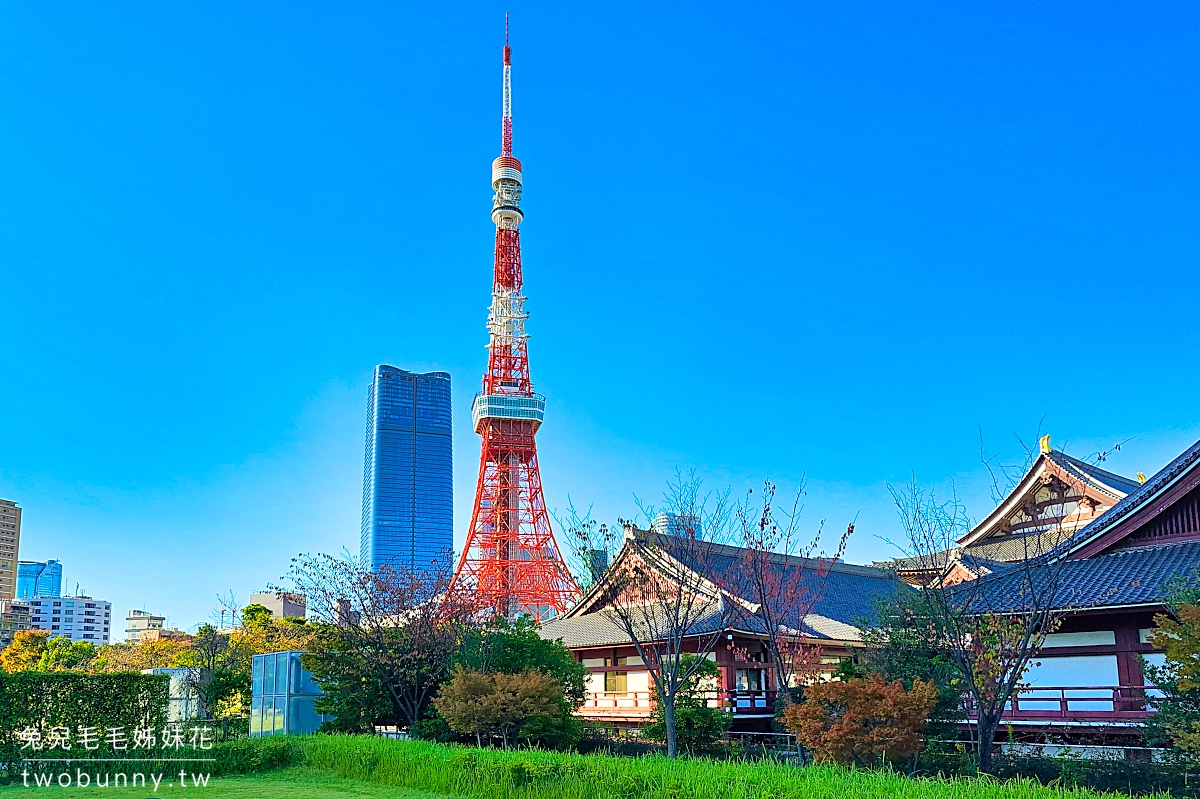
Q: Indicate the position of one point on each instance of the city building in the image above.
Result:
(10, 544)
(408, 492)
(80, 618)
(141, 625)
(619, 689)
(282, 696)
(38, 578)
(281, 603)
(15, 616)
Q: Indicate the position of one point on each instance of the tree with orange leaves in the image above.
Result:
(862, 721)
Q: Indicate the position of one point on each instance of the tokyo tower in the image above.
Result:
(511, 564)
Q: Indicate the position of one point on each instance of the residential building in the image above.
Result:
(38, 578)
(80, 618)
(282, 696)
(408, 503)
(140, 625)
(282, 603)
(15, 616)
(619, 683)
(10, 544)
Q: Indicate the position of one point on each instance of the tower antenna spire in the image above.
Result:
(506, 124)
(511, 564)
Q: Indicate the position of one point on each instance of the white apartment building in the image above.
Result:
(79, 618)
(141, 625)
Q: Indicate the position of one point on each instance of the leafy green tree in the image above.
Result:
(256, 616)
(513, 647)
(63, 654)
(353, 691)
(697, 726)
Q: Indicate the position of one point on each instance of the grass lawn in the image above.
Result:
(293, 782)
(317, 767)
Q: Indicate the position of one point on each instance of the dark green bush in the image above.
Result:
(71, 699)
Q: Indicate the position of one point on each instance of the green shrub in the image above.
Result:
(42, 700)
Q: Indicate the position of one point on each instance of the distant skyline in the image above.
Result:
(841, 241)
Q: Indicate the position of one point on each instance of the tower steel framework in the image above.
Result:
(511, 564)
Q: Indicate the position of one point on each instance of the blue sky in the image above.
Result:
(833, 239)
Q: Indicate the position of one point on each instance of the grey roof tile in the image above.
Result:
(1135, 576)
(847, 594)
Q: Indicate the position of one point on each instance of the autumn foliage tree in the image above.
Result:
(862, 721)
(25, 651)
(499, 705)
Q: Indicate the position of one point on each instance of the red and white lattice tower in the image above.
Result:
(511, 564)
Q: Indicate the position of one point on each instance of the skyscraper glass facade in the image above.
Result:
(408, 490)
(38, 579)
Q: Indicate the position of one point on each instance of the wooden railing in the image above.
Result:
(640, 704)
(1080, 703)
(618, 703)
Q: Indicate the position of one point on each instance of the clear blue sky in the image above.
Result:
(760, 240)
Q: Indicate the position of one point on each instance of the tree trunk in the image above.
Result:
(987, 737)
(669, 723)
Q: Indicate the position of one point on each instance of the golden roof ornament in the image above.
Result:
(1044, 443)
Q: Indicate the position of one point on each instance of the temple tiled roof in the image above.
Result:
(990, 553)
(1143, 493)
(1136, 576)
(846, 594)
(1118, 486)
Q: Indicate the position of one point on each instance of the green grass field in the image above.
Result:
(290, 782)
(360, 766)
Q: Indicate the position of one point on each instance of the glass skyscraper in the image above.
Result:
(35, 579)
(408, 487)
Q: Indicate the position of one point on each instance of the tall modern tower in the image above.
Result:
(511, 564)
(408, 488)
(38, 578)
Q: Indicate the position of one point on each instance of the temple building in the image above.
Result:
(1118, 550)
(1116, 564)
(1058, 496)
(620, 690)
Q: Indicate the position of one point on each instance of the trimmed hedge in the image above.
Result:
(41, 701)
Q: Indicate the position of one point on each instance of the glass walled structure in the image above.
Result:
(408, 485)
(36, 579)
(283, 697)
